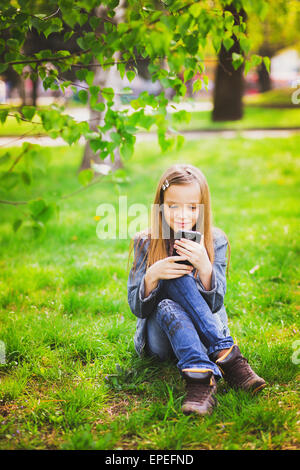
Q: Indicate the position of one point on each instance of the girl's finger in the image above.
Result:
(181, 269)
(176, 258)
(173, 275)
(183, 250)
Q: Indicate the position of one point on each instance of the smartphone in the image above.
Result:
(190, 235)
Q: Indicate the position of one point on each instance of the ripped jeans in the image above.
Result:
(182, 327)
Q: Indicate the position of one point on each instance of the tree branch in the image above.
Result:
(96, 181)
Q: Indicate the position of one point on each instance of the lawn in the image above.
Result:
(71, 378)
(254, 118)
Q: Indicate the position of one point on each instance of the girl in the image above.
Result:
(180, 309)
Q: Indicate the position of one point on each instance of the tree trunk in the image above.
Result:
(22, 92)
(264, 79)
(35, 84)
(105, 78)
(229, 83)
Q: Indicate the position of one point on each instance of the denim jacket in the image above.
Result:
(142, 307)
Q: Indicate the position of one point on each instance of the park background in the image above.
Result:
(69, 375)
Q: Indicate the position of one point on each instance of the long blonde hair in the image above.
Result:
(176, 174)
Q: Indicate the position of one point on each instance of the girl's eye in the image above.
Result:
(192, 207)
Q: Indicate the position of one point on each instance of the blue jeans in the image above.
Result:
(182, 326)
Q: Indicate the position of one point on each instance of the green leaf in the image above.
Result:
(32, 229)
(16, 225)
(28, 112)
(145, 121)
(245, 44)
(216, 40)
(267, 63)
(195, 9)
(94, 22)
(89, 78)
(81, 74)
(126, 150)
(54, 26)
(108, 94)
(83, 96)
(165, 144)
(228, 43)
(229, 20)
(3, 115)
(85, 176)
(9, 180)
(180, 142)
(26, 177)
(36, 207)
(115, 137)
(247, 67)
(197, 85)
(205, 82)
(121, 67)
(48, 213)
(188, 74)
(256, 60)
(100, 107)
(237, 60)
(5, 158)
(96, 144)
(130, 74)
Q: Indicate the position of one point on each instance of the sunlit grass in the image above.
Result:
(253, 118)
(72, 379)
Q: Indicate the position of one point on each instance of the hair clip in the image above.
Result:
(165, 185)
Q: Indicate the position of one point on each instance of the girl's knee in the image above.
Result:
(169, 315)
(166, 305)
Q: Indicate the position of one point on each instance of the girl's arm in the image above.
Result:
(142, 291)
(215, 295)
(150, 284)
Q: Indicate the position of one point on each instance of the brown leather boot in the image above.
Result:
(237, 372)
(200, 387)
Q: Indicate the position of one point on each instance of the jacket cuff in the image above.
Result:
(213, 283)
(152, 293)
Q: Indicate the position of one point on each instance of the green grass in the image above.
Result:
(254, 118)
(276, 97)
(72, 379)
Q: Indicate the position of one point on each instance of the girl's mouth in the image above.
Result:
(182, 224)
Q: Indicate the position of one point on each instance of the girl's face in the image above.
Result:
(181, 206)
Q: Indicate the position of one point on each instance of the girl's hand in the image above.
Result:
(167, 268)
(195, 253)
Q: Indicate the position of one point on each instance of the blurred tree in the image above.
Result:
(102, 78)
(170, 36)
(229, 79)
(279, 29)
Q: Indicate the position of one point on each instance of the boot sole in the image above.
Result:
(195, 412)
(259, 388)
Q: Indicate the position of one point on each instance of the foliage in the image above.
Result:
(170, 35)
